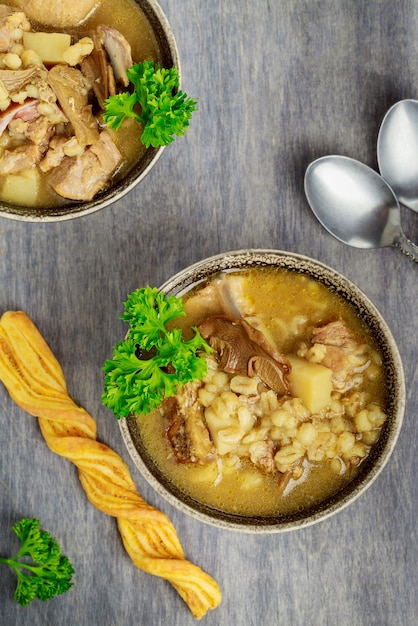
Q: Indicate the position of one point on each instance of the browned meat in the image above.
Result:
(68, 83)
(82, 177)
(176, 432)
(20, 158)
(188, 433)
(59, 13)
(340, 344)
(10, 20)
(244, 350)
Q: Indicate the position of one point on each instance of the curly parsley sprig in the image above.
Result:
(156, 103)
(49, 574)
(138, 385)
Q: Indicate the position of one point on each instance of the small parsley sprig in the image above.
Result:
(156, 103)
(138, 385)
(49, 574)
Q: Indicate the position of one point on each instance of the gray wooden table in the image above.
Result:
(279, 84)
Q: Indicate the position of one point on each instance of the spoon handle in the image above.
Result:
(408, 248)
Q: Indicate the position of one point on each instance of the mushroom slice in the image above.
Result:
(244, 350)
(118, 50)
(97, 71)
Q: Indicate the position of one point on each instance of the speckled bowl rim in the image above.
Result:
(373, 466)
(170, 58)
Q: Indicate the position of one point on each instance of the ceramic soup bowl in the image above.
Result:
(369, 469)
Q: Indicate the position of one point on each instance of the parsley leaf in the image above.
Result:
(139, 385)
(49, 574)
(156, 103)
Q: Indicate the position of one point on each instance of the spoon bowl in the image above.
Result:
(355, 204)
(397, 151)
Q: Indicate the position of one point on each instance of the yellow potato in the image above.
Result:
(311, 383)
(21, 188)
(48, 46)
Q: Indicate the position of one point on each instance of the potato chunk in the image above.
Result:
(48, 46)
(21, 188)
(311, 383)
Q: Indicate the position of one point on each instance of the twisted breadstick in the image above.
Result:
(35, 381)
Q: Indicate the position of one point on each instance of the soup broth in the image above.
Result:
(307, 454)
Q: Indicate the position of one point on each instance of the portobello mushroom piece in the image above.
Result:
(244, 350)
(118, 51)
(107, 64)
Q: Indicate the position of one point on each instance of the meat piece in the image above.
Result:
(206, 303)
(11, 21)
(20, 158)
(188, 433)
(223, 295)
(118, 51)
(82, 177)
(176, 432)
(244, 350)
(39, 131)
(26, 111)
(107, 153)
(69, 86)
(340, 347)
(14, 80)
(59, 13)
(335, 334)
(262, 455)
(54, 155)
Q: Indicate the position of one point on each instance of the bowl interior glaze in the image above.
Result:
(170, 57)
(374, 464)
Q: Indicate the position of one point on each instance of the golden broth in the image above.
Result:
(281, 297)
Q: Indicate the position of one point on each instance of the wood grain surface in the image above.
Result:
(279, 83)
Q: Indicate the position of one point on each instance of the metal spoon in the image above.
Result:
(355, 204)
(397, 151)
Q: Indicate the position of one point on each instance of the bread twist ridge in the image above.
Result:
(35, 381)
